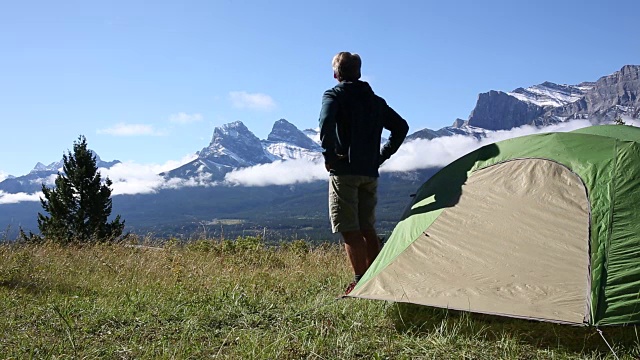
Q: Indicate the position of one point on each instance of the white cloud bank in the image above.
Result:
(420, 154)
(3, 176)
(6, 198)
(132, 178)
(124, 129)
(255, 101)
(278, 173)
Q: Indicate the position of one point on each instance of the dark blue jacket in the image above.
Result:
(351, 122)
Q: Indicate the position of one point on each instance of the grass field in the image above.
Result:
(244, 300)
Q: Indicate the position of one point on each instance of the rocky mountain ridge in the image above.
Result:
(610, 97)
(234, 146)
(32, 182)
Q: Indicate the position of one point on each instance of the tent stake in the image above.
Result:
(605, 341)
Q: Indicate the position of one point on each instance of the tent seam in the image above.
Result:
(607, 243)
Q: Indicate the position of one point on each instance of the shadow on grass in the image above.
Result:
(417, 319)
(34, 288)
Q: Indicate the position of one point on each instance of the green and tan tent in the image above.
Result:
(542, 227)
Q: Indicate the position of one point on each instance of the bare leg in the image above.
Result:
(372, 244)
(356, 248)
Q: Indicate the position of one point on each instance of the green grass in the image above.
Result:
(243, 300)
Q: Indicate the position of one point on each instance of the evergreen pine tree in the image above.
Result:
(80, 204)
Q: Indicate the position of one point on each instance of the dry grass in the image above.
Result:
(241, 300)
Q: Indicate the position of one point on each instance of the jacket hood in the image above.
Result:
(357, 87)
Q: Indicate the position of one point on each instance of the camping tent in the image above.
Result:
(544, 227)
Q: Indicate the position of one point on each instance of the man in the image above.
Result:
(352, 119)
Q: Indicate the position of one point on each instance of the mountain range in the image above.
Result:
(233, 146)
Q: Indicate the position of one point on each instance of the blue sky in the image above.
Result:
(147, 82)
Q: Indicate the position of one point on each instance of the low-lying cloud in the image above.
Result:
(6, 198)
(133, 178)
(438, 152)
(278, 173)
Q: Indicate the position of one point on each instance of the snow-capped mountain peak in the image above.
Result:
(43, 174)
(232, 146)
(284, 131)
(233, 129)
(39, 167)
(550, 94)
(235, 145)
(56, 166)
(53, 167)
(286, 141)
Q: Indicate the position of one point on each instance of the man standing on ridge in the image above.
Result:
(352, 119)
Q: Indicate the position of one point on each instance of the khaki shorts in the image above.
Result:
(352, 202)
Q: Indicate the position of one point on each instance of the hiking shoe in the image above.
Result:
(350, 288)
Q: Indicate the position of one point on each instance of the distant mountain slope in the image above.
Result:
(287, 142)
(234, 146)
(610, 97)
(32, 182)
(549, 94)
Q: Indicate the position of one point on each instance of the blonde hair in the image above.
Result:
(346, 66)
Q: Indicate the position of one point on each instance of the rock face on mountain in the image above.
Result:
(460, 123)
(236, 146)
(611, 97)
(549, 94)
(496, 110)
(286, 141)
(285, 132)
(619, 90)
(54, 167)
(232, 146)
(463, 130)
(426, 134)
